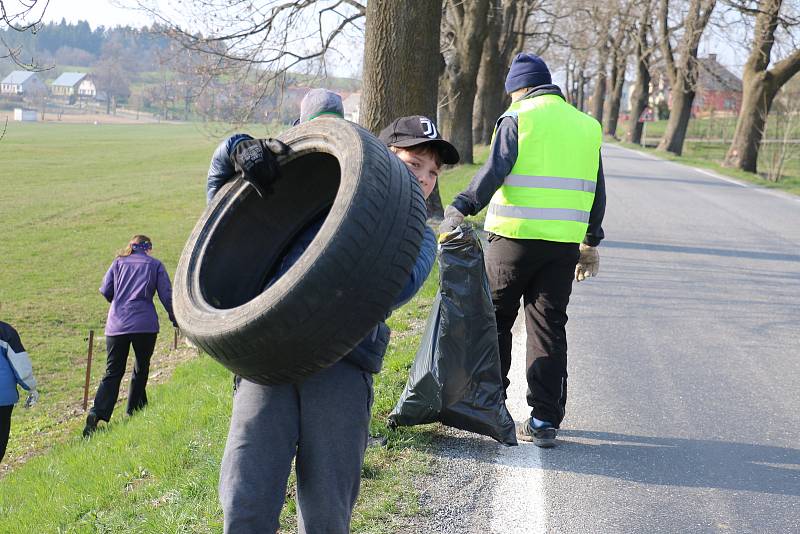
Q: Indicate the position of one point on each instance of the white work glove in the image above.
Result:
(452, 220)
(588, 264)
(33, 398)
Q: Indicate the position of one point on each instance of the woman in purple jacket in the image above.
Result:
(130, 285)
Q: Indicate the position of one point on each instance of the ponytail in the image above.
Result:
(137, 243)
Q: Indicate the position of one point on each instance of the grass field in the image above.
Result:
(73, 195)
(707, 143)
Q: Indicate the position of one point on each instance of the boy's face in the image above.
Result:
(423, 165)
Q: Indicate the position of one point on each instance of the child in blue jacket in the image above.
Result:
(322, 422)
(15, 369)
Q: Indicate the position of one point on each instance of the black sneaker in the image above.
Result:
(91, 425)
(541, 437)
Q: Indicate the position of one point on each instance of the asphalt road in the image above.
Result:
(684, 360)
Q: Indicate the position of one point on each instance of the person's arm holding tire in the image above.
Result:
(421, 270)
(222, 170)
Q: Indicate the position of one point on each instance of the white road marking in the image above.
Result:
(518, 502)
(753, 187)
(723, 178)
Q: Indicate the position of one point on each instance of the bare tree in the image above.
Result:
(682, 71)
(619, 63)
(254, 43)
(402, 61)
(112, 72)
(22, 16)
(761, 83)
(402, 65)
(641, 88)
(514, 26)
(602, 14)
(785, 123)
(465, 27)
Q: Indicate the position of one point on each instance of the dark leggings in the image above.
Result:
(5, 428)
(118, 348)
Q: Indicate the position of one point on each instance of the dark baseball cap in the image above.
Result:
(416, 130)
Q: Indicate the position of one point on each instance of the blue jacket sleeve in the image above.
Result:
(490, 177)
(422, 268)
(221, 169)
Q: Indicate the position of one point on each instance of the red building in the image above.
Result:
(719, 91)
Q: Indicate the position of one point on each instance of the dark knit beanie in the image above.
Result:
(527, 70)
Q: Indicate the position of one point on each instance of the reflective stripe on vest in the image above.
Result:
(550, 191)
(550, 182)
(542, 214)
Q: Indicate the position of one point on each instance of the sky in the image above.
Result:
(110, 13)
(96, 12)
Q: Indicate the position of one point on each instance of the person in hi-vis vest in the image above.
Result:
(544, 187)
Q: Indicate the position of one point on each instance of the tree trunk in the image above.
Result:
(641, 89)
(683, 73)
(489, 99)
(759, 92)
(581, 97)
(612, 104)
(760, 87)
(678, 122)
(505, 39)
(459, 81)
(599, 93)
(396, 83)
(639, 101)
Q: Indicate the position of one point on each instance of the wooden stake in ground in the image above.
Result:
(88, 369)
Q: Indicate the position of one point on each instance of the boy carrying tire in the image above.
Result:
(321, 422)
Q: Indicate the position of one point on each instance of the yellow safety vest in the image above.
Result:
(549, 193)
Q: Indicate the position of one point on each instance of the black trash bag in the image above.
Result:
(455, 378)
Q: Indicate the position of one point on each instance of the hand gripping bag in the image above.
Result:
(455, 378)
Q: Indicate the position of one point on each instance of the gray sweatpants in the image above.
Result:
(324, 423)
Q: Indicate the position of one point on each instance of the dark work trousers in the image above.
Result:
(323, 424)
(540, 273)
(5, 428)
(118, 348)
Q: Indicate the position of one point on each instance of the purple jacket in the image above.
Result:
(130, 285)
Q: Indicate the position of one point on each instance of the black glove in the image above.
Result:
(256, 162)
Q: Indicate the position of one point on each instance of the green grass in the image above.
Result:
(73, 195)
(708, 140)
(710, 156)
(719, 128)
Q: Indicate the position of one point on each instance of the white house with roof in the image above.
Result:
(352, 106)
(74, 84)
(20, 82)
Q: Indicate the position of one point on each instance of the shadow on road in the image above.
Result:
(649, 460)
(728, 253)
(678, 462)
(698, 181)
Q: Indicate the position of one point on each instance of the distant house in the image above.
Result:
(20, 82)
(71, 85)
(718, 89)
(352, 106)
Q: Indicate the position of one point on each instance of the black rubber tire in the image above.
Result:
(339, 289)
